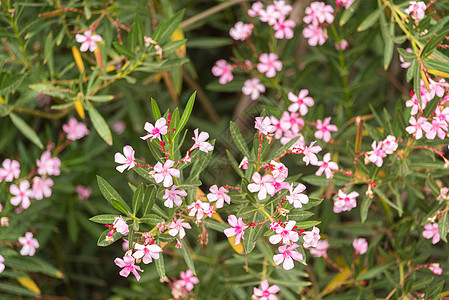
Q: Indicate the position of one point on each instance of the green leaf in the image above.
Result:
(72, 225)
(370, 20)
(185, 115)
(307, 224)
(252, 234)
(166, 27)
(347, 13)
(234, 163)
(160, 266)
(220, 227)
(239, 141)
(100, 125)
(33, 264)
(4, 110)
(187, 257)
(170, 47)
(155, 108)
(104, 219)
(138, 198)
(26, 130)
(103, 242)
(100, 98)
(299, 215)
(364, 208)
(112, 196)
(149, 199)
(16, 290)
(123, 51)
(389, 45)
(9, 83)
(374, 271)
(166, 238)
(443, 226)
(151, 219)
(434, 42)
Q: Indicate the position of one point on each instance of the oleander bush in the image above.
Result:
(224, 149)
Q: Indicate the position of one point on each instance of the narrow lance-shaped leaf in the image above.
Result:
(138, 198)
(148, 199)
(239, 141)
(26, 130)
(111, 194)
(187, 256)
(185, 115)
(160, 266)
(100, 125)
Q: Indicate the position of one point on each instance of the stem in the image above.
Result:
(17, 35)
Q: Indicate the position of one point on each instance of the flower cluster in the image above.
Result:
(182, 288)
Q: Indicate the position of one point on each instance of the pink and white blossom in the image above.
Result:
(264, 125)
(431, 232)
(291, 121)
(342, 45)
(324, 129)
(360, 245)
(345, 3)
(188, 280)
(296, 196)
(326, 166)
(2, 265)
(283, 8)
(127, 263)
(255, 9)
(83, 192)
(244, 163)
(266, 292)
(172, 195)
(29, 244)
(241, 31)
(220, 195)
(284, 28)
(436, 269)
(311, 238)
(88, 41)
(269, 64)
(147, 252)
(201, 141)
(253, 88)
(200, 209)
(415, 104)
(285, 234)
(127, 160)
(377, 154)
(262, 185)
(164, 173)
(155, 131)
(417, 126)
(287, 255)
(315, 35)
(318, 13)
(22, 194)
(389, 145)
(223, 70)
(270, 15)
(345, 202)
(416, 9)
(75, 130)
(42, 187)
(321, 249)
(237, 229)
(278, 170)
(120, 225)
(48, 165)
(310, 154)
(177, 227)
(438, 128)
(405, 64)
(300, 102)
(10, 170)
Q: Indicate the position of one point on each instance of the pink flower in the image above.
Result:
(266, 292)
(436, 269)
(314, 34)
(119, 126)
(237, 229)
(223, 70)
(345, 3)
(263, 185)
(437, 128)
(2, 266)
(178, 227)
(218, 194)
(42, 187)
(417, 126)
(256, 9)
(22, 194)
(431, 230)
(83, 192)
(283, 8)
(264, 125)
(360, 246)
(188, 280)
(436, 88)
(270, 15)
(244, 163)
(342, 45)
(442, 115)
(327, 166)
(389, 145)
(345, 202)
(253, 87)
(310, 154)
(88, 41)
(311, 238)
(278, 170)
(416, 9)
(405, 64)
(296, 197)
(269, 64)
(241, 31)
(285, 234)
(377, 154)
(29, 244)
(320, 249)
(199, 209)
(165, 172)
(126, 160)
(48, 165)
(155, 132)
(75, 130)
(318, 13)
(324, 129)
(200, 141)
(300, 102)
(414, 103)
(127, 263)
(147, 252)
(291, 121)
(284, 28)
(173, 195)
(287, 255)
(10, 170)
(120, 225)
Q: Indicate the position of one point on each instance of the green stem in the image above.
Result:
(17, 35)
